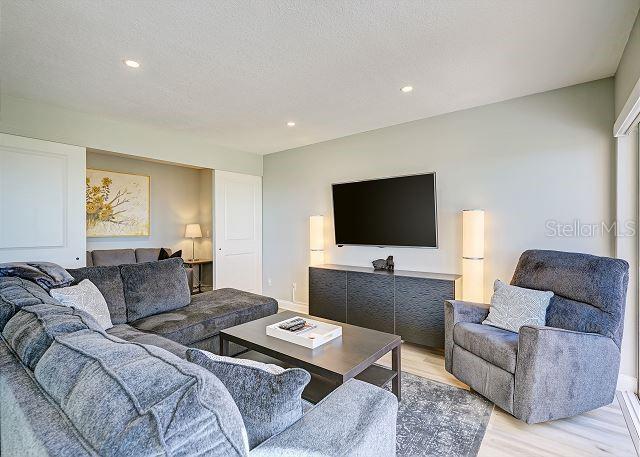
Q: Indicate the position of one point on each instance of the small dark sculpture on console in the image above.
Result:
(382, 264)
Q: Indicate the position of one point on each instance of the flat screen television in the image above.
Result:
(399, 211)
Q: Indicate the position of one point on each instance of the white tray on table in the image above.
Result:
(308, 337)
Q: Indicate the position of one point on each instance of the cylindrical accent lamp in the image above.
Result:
(316, 240)
(473, 255)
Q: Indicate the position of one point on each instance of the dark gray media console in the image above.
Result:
(406, 303)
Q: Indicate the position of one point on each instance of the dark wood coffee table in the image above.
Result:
(351, 356)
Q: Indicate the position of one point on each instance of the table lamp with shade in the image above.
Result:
(193, 231)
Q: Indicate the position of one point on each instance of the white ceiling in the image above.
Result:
(236, 71)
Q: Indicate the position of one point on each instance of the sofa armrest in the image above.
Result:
(459, 311)
(561, 373)
(356, 419)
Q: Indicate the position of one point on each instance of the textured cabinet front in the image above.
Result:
(328, 294)
(420, 309)
(370, 301)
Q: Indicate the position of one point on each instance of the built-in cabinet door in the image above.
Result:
(238, 231)
(42, 201)
(370, 301)
(420, 309)
(328, 294)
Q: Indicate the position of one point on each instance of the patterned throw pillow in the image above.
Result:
(86, 297)
(268, 396)
(512, 307)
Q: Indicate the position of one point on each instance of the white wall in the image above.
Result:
(177, 198)
(47, 122)
(525, 161)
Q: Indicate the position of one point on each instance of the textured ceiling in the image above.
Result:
(236, 71)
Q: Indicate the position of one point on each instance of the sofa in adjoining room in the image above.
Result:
(69, 388)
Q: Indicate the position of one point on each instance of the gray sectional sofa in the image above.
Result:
(150, 302)
(68, 388)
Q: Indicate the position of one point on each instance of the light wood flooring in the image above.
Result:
(597, 433)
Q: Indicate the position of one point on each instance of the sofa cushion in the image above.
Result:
(106, 257)
(166, 254)
(148, 254)
(268, 396)
(154, 287)
(16, 293)
(86, 297)
(31, 424)
(207, 314)
(132, 399)
(513, 307)
(109, 283)
(133, 335)
(32, 330)
(495, 345)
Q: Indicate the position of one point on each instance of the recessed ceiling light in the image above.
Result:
(291, 124)
(407, 89)
(131, 63)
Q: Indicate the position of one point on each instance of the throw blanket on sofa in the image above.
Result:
(45, 274)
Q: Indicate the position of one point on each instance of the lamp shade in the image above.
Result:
(316, 240)
(316, 233)
(473, 280)
(473, 234)
(193, 231)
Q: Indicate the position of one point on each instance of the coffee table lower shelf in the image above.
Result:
(320, 387)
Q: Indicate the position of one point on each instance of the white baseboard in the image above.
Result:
(627, 383)
(292, 306)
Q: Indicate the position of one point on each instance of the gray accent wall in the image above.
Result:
(530, 162)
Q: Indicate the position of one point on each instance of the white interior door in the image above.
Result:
(238, 231)
(42, 201)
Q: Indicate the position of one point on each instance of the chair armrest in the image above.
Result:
(356, 419)
(561, 373)
(459, 311)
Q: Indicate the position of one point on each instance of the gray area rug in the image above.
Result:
(436, 419)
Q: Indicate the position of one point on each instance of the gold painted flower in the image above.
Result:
(105, 213)
(92, 207)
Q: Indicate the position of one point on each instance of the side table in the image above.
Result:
(198, 263)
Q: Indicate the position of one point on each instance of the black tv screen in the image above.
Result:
(397, 211)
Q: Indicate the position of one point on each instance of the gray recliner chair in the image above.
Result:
(564, 368)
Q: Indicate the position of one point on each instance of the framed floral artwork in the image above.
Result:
(117, 204)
